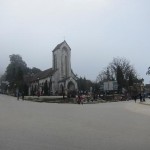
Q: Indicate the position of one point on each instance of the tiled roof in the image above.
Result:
(40, 75)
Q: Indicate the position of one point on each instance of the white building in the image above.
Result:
(110, 86)
(60, 78)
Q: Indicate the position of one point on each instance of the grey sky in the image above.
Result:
(96, 30)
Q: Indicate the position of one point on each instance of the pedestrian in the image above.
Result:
(140, 97)
(135, 98)
(22, 95)
(82, 100)
(79, 99)
(38, 93)
(143, 97)
(18, 95)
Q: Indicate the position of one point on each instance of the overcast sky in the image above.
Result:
(96, 30)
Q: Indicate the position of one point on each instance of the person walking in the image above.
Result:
(18, 95)
(143, 97)
(140, 97)
(22, 95)
(79, 99)
(82, 100)
(135, 98)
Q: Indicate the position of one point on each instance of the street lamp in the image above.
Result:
(8, 89)
(38, 83)
(38, 92)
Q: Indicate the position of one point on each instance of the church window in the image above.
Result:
(55, 62)
(66, 66)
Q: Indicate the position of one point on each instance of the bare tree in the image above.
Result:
(148, 71)
(105, 75)
(125, 67)
(121, 70)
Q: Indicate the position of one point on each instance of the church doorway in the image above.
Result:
(71, 86)
(71, 89)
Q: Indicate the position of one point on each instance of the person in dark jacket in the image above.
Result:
(135, 97)
(140, 97)
(22, 95)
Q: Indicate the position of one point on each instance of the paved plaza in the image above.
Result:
(26, 125)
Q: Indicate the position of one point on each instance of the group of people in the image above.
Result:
(20, 94)
(79, 99)
(141, 96)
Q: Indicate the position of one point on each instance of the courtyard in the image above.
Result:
(26, 125)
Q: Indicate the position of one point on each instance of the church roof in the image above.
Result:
(44, 74)
(59, 45)
(40, 75)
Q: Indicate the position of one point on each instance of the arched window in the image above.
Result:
(66, 66)
(62, 70)
(64, 62)
(55, 62)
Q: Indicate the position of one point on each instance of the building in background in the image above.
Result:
(109, 86)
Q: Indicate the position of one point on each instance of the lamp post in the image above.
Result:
(130, 90)
(8, 89)
(38, 92)
(38, 83)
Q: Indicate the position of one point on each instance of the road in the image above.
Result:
(26, 125)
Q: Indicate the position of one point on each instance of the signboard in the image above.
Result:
(110, 86)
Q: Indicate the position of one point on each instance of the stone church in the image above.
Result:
(60, 78)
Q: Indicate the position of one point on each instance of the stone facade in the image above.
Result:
(60, 78)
